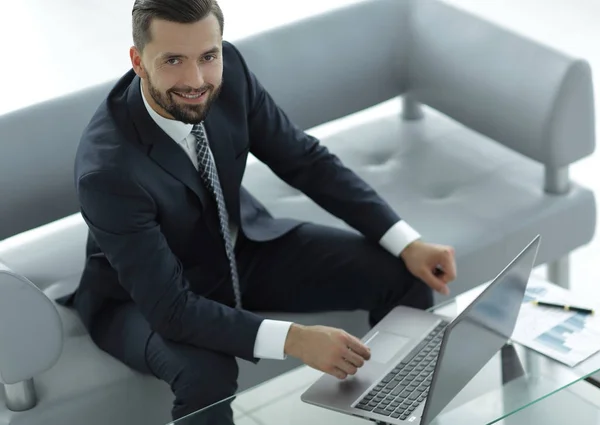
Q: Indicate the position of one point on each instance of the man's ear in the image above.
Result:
(136, 62)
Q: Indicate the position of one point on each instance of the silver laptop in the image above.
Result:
(420, 361)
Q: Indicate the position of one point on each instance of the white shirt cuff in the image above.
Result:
(398, 237)
(270, 339)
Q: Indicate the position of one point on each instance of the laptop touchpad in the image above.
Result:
(384, 346)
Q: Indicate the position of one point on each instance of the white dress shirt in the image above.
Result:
(271, 336)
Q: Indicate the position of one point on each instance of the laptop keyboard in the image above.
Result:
(404, 388)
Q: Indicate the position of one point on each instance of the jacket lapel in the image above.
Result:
(172, 158)
(161, 148)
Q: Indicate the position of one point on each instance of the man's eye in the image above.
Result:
(172, 61)
(209, 58)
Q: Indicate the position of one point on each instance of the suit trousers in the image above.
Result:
(312, 268)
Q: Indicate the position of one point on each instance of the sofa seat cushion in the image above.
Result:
(85, 380)
(72, 324)
(452, 184)
(78, 344)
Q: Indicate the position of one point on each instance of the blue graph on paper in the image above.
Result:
(565, 336)
(534, 293)
(556, 338)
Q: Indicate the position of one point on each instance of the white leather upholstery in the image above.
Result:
(523, 95)
(452, 184)
(469, 173)
(74, 380)
(39, 335)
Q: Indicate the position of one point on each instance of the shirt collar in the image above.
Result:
(177, 130)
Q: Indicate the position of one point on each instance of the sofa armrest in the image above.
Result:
(49, 253)
(533, 99)
(31, 333)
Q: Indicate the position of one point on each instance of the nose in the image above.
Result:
(193, 77)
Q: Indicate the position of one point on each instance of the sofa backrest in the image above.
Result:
(317, 69)
(37, 152)
(336, 63)
(517, 91)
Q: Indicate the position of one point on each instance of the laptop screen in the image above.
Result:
(479, 332)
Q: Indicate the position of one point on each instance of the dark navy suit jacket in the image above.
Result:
(153, 227)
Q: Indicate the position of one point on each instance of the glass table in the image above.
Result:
(513, 381)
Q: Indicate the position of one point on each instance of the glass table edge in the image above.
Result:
(445, 304)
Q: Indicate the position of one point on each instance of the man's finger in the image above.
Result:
(449, 269)
(353, 358)
(436, 283)
(447, 264)
(445, 276)
(347, 367)
(339, 373)
(358, 347)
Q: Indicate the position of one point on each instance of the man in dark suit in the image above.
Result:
(180, 256)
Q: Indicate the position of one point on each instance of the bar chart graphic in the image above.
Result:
(568, 337)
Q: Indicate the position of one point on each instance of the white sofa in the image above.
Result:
(466, 128)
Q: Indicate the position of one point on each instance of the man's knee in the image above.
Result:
(415, 292)
(402, 287)
(423, 296)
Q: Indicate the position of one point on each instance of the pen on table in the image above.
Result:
(565, 307)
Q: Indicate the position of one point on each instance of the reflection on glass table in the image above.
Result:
(515, 379)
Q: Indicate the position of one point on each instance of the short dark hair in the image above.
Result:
(181, 11)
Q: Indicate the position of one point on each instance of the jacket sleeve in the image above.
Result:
(121, 216)
(301, 161)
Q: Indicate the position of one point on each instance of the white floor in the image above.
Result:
(54, 47)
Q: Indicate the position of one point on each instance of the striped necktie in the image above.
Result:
(210, 178)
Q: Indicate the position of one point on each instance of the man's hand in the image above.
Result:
(433, 264)
(329, 350)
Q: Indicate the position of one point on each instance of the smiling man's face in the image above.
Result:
(181, 68)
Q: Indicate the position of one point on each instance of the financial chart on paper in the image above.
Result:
(565, 336)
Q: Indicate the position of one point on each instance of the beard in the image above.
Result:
(188, 114)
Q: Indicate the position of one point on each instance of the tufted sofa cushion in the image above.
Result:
(452, 184)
